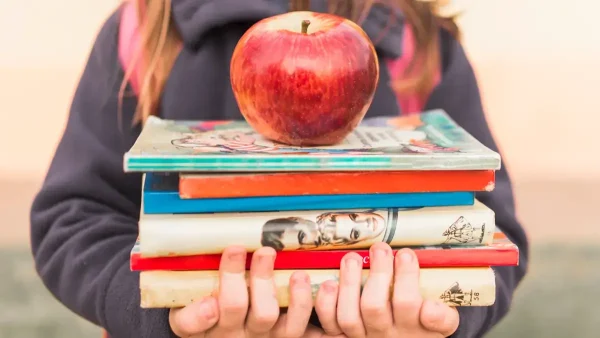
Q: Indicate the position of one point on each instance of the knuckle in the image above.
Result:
(348, 324)
(406, 304)
(265, 319)
(372, 309)
(304, 304)
(302, 301)
(235, 307)
(326, 311)
(375, 315)
(289, 331)
(292, 333)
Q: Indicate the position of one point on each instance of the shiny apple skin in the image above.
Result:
(304, 89)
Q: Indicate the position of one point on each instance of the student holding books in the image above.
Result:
(84, 219)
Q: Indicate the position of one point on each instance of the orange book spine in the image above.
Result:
(326, 183)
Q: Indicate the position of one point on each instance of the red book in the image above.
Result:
(221, 185)
(502, 252)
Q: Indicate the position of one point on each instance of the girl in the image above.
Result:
(84, 219)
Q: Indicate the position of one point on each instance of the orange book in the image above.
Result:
(224, 185)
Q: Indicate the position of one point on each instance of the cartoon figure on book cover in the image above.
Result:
(330, 229)
(456, 296)
(227, 141)
(463, 232)
(370, 140)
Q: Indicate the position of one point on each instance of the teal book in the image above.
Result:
(427, 141)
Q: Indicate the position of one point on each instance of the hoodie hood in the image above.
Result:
(195, 18)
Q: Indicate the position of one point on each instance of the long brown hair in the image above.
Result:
(161, 43)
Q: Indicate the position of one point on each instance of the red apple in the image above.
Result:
(304, 78)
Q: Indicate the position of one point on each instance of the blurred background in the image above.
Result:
(537, 64)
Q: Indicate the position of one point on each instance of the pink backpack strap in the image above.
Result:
(397, 68)
(129, 39)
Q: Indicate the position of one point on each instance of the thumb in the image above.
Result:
(195, 318)
(439, 317)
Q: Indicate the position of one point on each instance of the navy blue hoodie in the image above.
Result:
(84, 218)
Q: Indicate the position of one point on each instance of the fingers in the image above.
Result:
(375, 300)
(264, 309)
(439, 317)
(314, 332)
(326, 308)
(348, 311)
(406, 299)
(295, 321)
(233, 290)
(195, 318)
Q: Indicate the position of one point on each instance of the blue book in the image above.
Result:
(161, 196)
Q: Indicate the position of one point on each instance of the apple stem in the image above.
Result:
(305, 24)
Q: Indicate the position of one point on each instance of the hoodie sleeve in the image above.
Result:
(84, 218)
(458, 94)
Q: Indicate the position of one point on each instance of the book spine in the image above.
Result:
(292, 184)
(183, 235)
(455, 287)
(428, 258)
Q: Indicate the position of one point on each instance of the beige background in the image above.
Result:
(537, 63)
(538, 75)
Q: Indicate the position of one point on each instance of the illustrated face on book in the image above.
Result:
(290, 233)
(330, 229)
(349, 227)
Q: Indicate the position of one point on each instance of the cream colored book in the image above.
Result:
(453, 286)
(195, 234)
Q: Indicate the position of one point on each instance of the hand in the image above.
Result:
(342, 309)
(242, 310)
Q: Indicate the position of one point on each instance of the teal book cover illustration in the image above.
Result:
(427, 141)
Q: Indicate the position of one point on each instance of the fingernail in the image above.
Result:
(267, 258)
(406, 257)
(237, 255)
(380, 253)
(329, 287)
(306, 278)
(351, 264)
(301, 277)
(207, 308)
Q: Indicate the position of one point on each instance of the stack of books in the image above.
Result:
(407, 181)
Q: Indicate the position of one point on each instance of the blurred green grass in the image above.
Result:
(557, 298)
